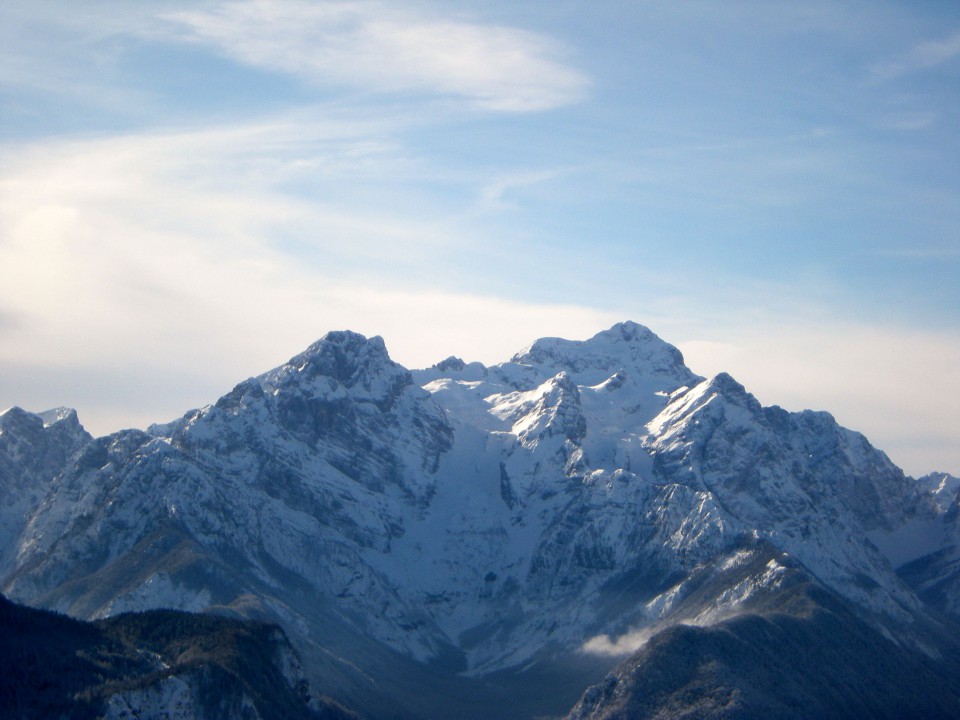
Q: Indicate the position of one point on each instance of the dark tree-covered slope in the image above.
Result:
(138, 664)
(804, 655)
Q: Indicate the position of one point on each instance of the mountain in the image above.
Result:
(34, 448)
(799, 652)
(160, 664)
(470, 541)
(926, 548)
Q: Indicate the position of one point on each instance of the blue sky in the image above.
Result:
(192, 192)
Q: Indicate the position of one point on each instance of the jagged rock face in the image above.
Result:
(297, 472)
(34, 449)
(468, 519)
(797, 479)
(944, 489)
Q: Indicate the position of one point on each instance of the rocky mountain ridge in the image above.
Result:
(455, 524)
(158, 664)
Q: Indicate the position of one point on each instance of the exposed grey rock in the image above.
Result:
(495, 538)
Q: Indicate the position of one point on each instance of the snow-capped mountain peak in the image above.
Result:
(944, 488)
(627, 346)
(469, 518)
(360, 366)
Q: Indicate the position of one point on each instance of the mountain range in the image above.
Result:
(588, 530)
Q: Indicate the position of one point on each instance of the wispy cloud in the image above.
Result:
(495, 195)
(212, 252)
(924, 56)
(376, 47)
(161, 256)
(921, 252)
(70, 52)
(910, 120)
(625, 644)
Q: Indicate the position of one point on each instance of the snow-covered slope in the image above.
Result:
(465, 520)
(34, 448)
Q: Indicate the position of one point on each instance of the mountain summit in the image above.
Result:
(480, 541)
(626, 346)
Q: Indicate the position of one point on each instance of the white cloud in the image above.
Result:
(146, 269)
(496, 195)
(182, 261)
(374, 46)
(909, 120)
(625, 644)
(155, 259)
(924, 56)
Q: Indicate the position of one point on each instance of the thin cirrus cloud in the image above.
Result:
(158, 251)
(375, 47)
(924, 56)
